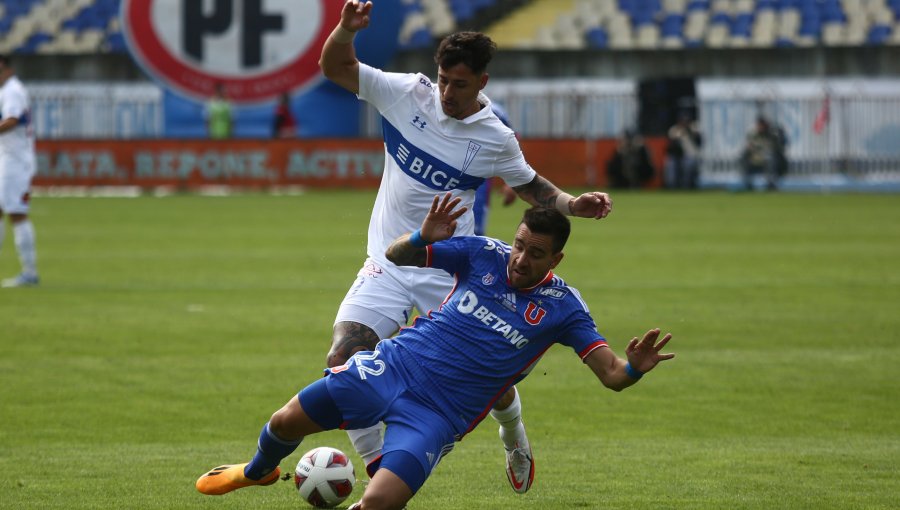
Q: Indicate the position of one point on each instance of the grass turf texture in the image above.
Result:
(166, 331)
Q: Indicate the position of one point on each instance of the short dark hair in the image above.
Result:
(541, 220)
(4, 59)
(473, 49)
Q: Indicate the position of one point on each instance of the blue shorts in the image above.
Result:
(368, 390)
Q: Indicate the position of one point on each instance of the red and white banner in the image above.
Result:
(257, 49)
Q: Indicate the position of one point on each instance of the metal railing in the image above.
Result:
(860, 140)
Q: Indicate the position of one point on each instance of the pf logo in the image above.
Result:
(256, 48)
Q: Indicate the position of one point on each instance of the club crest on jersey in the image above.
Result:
(471, 151)
(534, 314)
(419, 121)
(487, 279)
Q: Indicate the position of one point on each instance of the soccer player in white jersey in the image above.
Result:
(438, 137)
(17, 167)
(436, 380)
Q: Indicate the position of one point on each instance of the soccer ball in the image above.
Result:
(324, 477)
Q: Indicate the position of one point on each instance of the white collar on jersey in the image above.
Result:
(483, 113)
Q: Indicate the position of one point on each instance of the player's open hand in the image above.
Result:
(355, 15)
(644, 354)
(440, 223)
(594, 204)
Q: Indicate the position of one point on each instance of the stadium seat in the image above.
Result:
(764, 29)
(698, 5)
(718, 35)
(833, 33)
(672, 25)
(33, 41)
(115, 43)
(597, 38)
(742, 25)
(39, 25)
(695, 28)
(647, 37)
(879, 34)
(674, 6)
(568, 33)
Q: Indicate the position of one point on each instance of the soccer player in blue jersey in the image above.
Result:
(436, 380)
(438, 136)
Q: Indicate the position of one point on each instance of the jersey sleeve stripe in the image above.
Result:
(596, 345)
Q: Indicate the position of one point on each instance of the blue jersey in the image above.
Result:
(487, 335)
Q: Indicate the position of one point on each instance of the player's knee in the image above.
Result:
(335, 358)
(278, 423)
(506, 399)
(347, 339)
(281, 425)
(290, 422)
(382, 501)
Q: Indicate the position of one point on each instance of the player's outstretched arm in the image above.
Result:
(338, 60)
(439, 224)
(541, 192)
(642, 356)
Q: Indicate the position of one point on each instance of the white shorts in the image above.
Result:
(383, 296)
(15, 184)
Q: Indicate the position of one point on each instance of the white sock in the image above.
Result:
(512, 430)
(23, 234)
(367, 442)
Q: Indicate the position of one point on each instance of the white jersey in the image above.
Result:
(428, 153)
(16, 145)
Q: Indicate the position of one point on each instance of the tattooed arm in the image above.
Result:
(543, 193)
(404, 253)
(439, 224)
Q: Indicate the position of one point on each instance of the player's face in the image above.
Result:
(459, 88)
(531, 259)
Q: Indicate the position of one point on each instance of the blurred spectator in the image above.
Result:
(630, 166)
(218, 115)
(284, 124)
(682, 169)
(764, 153)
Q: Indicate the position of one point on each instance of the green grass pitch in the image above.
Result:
(166, 331)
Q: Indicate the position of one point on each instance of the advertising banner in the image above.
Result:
(262, 164)
(253, 50)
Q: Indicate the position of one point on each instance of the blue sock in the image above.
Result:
(269, 452)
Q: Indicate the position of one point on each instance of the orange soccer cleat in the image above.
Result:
(229, 477)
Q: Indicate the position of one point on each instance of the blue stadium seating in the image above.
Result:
(672, 21)
(33, 42)
(878, 34)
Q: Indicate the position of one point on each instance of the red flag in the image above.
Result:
(823, 117)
